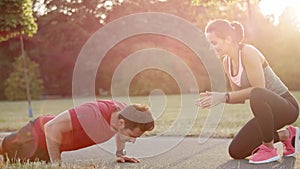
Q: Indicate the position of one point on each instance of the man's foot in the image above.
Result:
(264, 154)
(291, 144)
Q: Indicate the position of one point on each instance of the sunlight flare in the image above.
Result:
(276, 8)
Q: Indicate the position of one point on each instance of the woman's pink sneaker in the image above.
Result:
(291, 144)
(264, 154)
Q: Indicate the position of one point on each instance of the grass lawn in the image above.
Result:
(173, 113)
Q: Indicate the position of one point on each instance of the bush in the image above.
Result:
(15, 84)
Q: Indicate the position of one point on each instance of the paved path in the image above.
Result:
(172, 153)
(187, 154)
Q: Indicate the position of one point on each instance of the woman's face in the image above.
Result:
(217, 43)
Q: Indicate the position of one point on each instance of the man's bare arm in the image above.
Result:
(54, 130)
(119, 153)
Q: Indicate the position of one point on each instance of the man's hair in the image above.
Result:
(137, 116)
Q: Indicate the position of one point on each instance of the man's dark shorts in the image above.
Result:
(23, 146)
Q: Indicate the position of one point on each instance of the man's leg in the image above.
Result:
(1, 143)
(1, 149)
(19, 145)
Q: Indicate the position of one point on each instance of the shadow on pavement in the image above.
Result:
(285, 163)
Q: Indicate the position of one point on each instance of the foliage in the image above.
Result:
(58, 43)
(16, 17)
(212, 2)
(66, 25)
(279, 44)
(77, 9)
(220, 2)
(143, 84)
(15, 83)
(7, 50)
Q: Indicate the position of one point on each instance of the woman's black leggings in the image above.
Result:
(271, 113)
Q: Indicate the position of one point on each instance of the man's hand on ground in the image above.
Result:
(123, 159)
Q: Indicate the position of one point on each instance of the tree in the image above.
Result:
(64, 27)
(15, 84)
(17, 19)
(77, 9)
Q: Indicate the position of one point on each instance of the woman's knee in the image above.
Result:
(257, 96)
(235, 152)
(257, 93)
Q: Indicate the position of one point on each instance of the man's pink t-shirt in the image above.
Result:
(90, 124)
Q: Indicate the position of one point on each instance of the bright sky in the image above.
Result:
(276, 7)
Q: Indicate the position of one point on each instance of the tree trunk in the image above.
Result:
(26, 77)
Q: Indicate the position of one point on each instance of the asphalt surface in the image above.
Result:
(171, 152)
(187, 153)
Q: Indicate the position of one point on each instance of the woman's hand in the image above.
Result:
(211, 99)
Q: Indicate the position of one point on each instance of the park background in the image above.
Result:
(50, 35)
(63, 27)
(54, 31)
(57, 30)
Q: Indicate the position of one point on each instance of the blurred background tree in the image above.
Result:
(15, 87)
(17, 20)
(65, 26)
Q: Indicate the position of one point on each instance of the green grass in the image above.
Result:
(43, 165)
(13, 115)
(169, 120)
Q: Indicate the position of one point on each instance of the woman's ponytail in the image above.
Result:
(238, 31)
